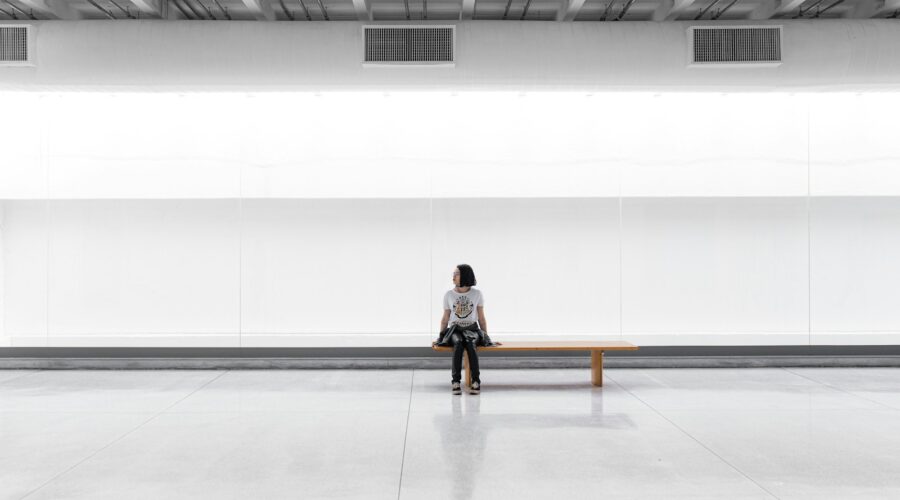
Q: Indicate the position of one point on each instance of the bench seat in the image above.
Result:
(596, 349)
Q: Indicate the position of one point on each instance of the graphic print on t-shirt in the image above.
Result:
(463, 306)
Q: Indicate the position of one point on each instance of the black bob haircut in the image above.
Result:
(466, 276)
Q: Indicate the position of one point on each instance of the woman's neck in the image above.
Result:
(463, 289)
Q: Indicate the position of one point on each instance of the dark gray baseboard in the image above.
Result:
(425, 358)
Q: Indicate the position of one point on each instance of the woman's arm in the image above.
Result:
(445, 320)
(481, 321)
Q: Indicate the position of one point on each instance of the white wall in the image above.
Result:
(159, 219)
(854, 269)
(846, 54)
(715, 270)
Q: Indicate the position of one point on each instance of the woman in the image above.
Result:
(464, 311)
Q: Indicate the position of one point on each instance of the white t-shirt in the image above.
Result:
(463, 306)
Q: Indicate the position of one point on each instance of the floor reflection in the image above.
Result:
(465, 433)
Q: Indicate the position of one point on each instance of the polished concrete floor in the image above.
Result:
(373, 434)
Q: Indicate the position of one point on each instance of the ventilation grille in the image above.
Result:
(13, 44)
(409, 45)
(737, 45)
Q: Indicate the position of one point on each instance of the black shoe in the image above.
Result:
(475, 388)
(455, 387)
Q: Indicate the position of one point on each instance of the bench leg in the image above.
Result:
(597, 368)
(466, 370)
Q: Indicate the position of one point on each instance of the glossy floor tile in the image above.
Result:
(14, 374)
(36, 446)
(401, 434)
(304, 390)
(749, 389)
(245, 455)
(806, 454)
(101, 390)
(880, 385)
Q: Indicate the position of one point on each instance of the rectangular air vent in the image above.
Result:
(13, 45)
(736, 44)
(416, 45)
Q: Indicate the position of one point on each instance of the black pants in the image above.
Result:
(462, 344)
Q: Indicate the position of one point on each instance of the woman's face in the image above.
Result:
(456, 276)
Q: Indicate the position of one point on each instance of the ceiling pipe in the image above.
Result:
(624, 10)
(305, 11)
(826, 9)
(406, 6)
(183, 11)
(424, 9)
(525, 10)
(125, 11)
(197, 14)
(325, 12)
(11, 14)
(224, 10)
(15, 7)
(724, 10)
(506, 12)
(704, 11)
(208, 12)
(101, 9)
(606, 10)
(284, 9)
(811, 7)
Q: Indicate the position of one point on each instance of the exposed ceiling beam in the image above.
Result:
(190, 5)
(468, 9)
(865, 9)
(571, 10)
(786, 6)
(764, 10)
(305, 11)
(723, 10)
(261, 9)
(525, 10)
(706, 9)
(16, 8)
(624, 10)
(124, 10)
(55, 9)
(287, 12)
(801, 12)
(322, 9)
(205, 7)
(661, 10)
(605, 15)
(670, 10)
(101, 9)
(828, 7)
(363, 9)
(225, 11)
(180, 7)
(148, 7)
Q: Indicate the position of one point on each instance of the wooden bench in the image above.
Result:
(596, 349)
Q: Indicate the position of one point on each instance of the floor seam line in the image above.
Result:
(707, 448)
(123, 436)
(839, 389)
(21, 376)
(406, 432)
